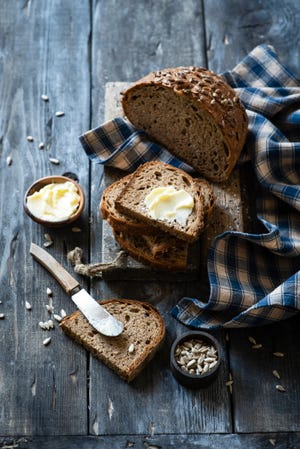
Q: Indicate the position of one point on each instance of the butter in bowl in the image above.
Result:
(54, 201)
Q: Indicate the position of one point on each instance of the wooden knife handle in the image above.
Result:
(67, 282)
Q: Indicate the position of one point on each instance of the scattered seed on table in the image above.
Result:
(252, 340)
(76, 229)
(45, 97)
(272, 441)
(57, 317)
(9, 161)
(49, 308)
(257, 346)
(280, 388)
(30, 138)
(49, 291)
(276, 374)
(28, 305)
(2, 316)
(228, 383)
(41, 145)
(278, 354)
(42, 325)
(48, 243)
(59, 113)
(46, 341)
(63, 313)
(54, 161)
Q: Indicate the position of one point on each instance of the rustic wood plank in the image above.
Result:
(200, 441)
(38, 382)
(232, 31)
(233, 28)
(162, 38)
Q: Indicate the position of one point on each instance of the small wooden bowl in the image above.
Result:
(42, 182)
(195, 380)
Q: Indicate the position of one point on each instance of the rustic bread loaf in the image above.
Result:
(193, 113)
(131, 201)
(161, 251)
(127, 354)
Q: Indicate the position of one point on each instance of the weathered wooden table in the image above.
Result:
(59, 396)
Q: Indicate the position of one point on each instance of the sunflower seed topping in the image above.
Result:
(131, 348)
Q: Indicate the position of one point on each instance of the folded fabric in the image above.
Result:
(254, 278)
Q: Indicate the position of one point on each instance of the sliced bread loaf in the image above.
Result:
(161, 251)
(131, 200)
(192, 112)
(127, 354)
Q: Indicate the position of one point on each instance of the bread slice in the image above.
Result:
(131, 201)
(161, 251)
(192, 112)
(117, 219)
(127, 354)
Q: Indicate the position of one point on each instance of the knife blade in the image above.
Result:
(96, 315)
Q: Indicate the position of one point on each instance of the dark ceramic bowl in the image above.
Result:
(193, 380)
(42, 182)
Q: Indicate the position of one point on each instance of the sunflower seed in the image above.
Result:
(45, 97)
(272, 441)
(41, 145)
(48, 243)
(49, 307)
(57, 317)
(9, 161)
(228, 383)
(30, 138)
(42, 325)
(27, 305)
(258, 346)
(46, 341)
(49, 292)
(54, 161)
(59, 113)
(2, 316)
(131, 348)
(76, 229)
(280, 388)
(252, 340)
(278, 354)
(63, 313)
(276, 374)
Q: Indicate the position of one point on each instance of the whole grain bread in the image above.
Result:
(115, 218)
(127, 354)
(192, 112)
(161, 251)
(156, 174)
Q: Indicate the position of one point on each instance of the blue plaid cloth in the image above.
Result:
(254, 278)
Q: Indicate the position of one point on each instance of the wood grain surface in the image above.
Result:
(58, 395)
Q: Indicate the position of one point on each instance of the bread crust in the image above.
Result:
(207, 90)
(77, 327)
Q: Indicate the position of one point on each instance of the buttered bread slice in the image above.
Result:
(165, 197)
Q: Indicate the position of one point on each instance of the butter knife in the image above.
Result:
(96, 315)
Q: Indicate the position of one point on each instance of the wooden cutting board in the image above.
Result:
(227, 216)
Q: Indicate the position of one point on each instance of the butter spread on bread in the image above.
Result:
(168, 203)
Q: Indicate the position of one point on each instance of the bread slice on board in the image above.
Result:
(127, 354)
(193, 113)
(131, 200)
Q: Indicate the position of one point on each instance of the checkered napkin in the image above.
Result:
(254, 278)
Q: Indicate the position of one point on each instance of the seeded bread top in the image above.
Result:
(131, 200)
(207, 91)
